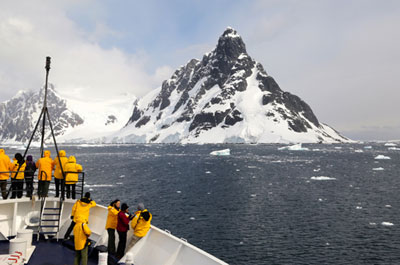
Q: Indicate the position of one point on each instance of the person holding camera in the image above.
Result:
(80, 212)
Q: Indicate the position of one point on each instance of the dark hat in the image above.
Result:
(124, 206)
(19, 158)
(29, 158)
(87, 195)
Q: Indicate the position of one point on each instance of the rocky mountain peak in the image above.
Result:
(225, 97)
(230, 45)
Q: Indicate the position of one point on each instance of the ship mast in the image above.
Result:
(43, 116)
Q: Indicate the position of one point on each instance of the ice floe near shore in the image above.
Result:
(295, 147)
(224, 152)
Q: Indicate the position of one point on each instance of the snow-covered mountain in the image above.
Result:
(226, 97)
(74, 121)
(18, 116)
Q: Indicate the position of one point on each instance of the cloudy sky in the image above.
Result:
(341, 56)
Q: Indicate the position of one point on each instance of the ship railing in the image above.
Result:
(79, 185)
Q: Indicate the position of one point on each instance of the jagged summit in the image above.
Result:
(225, 97)
(230, 45)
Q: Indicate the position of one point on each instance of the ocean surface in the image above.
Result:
(333, 204)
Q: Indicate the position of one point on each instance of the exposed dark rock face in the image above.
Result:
(203, 94)
(19, 115)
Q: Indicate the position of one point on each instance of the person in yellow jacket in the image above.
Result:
(17, 179)
(45, 166)
(59, 162)
(71, 177)
(81, 242)
(5, 167)
(140, 224)
(111, 224)
(80, 212)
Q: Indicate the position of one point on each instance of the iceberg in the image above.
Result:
(382, 157)
(322, 178)
(224, 152)
(295, 147)
(394, 148)
(387, 224)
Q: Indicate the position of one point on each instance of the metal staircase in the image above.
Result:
(50, 217)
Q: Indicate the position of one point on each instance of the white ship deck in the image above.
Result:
(157, 247)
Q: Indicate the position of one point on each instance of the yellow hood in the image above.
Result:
(72, 159)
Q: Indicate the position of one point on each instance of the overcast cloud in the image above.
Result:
(341, 57)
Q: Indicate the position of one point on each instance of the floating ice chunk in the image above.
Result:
(371, 223)
(208, 172)
(394, 148)
(320, 200)
(241, 243)
(316, 149)
(119, 183)
(387, 224)
(253, 195)
(237, 170)
(388, 206)
(178, 191)
(368, 147)
(378, 169)
(322, 178)
(224, 152)
(295, 147)
(90, 189)
(192, 218)
(358, 151)
(358, 207)
(122, 176)
(317, 170)
(338, 147)
(390, 144)
(382, 157)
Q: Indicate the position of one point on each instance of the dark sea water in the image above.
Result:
(260, 205)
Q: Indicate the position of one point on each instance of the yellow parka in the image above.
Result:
(5, 165)
(81, 235)
(112, 217)
(57, 165)
(72, 166)
(15, 167)
(45, 166)
(139, 223)
(81, 210)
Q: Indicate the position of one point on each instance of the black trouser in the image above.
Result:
(3, 186)
(121, 244)
(58, 184)
(70, 228)
(17, 187)
(43, 188)
(29, 186)
(68, 188)
(111, 241)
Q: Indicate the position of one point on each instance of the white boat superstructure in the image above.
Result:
(157, 247)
